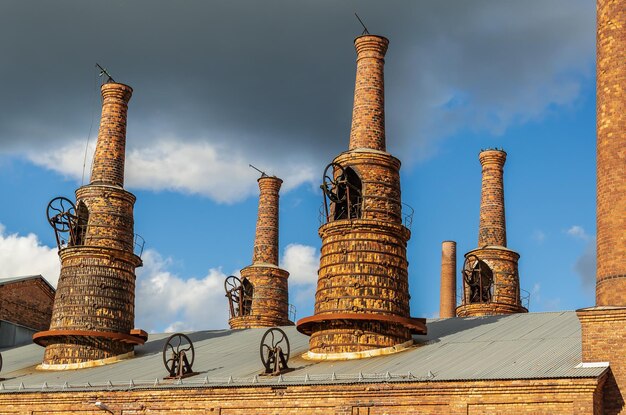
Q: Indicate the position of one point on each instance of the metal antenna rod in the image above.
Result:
(263, 174)
(365, 31)
(104, 72)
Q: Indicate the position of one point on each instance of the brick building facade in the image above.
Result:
(26, 301)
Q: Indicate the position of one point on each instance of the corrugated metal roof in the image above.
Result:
(519, 346)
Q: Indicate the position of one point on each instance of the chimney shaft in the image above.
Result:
(368, 113)
(603, 327)
(611, 154)
(267, 292)
(266, 239)
(492, 227)
(447, 303)
(108, 161)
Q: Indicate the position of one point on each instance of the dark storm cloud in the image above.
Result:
(275, 78)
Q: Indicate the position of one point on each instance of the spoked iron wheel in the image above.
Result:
(275, 351)
(331, 182)
(178, 355)
(61, 212)
(232, 284)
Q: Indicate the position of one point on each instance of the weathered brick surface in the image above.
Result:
(506, 296)
(266, 237)
(368, 114)
(27, 303)
(96, 289)
(270, 300)
(380, 178)
(506, 397)
(111, 223)
(363, 267)
(447, 294)
(611, 153)
(111, 147)
(604, 340)
(492, 227)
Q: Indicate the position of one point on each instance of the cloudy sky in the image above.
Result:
(221, 84)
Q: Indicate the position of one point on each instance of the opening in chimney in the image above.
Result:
(349, 195)
(82, 219)
(248, 293)
(480, 282)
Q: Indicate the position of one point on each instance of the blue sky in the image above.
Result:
(220, 85)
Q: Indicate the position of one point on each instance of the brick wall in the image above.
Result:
(27, 303)
(604, 340)
(538, 397)
(447, 295)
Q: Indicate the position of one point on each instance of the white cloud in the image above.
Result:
(174, 164)
(302, 262)
(167, 302)
(164, 301)
(26, 255)
(578, 232)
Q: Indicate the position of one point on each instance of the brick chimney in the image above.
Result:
(604, 326)
(362, 297)
(492, 227)
(447, 295)
(368, 113)
(108, 161)
(94, 311)
(490, 272)
(269, 302)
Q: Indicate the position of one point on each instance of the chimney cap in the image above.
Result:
(379, 38)
(116, 85)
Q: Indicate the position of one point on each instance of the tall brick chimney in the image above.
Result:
(490, 273)
(94, 311)
(368, 112)
(264, 280)
(447, 294)
(604, 326)
(362, 298)
(492, 227)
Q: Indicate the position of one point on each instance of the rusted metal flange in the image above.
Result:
(136, 337)
(416, 325)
